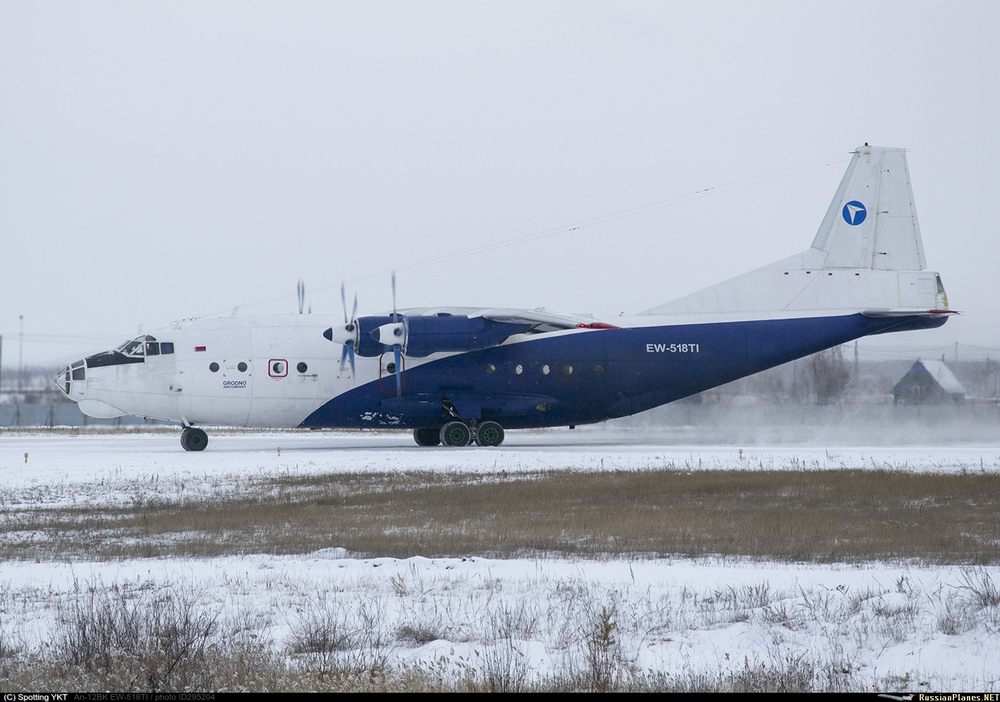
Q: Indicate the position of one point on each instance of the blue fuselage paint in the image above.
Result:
(595, 375)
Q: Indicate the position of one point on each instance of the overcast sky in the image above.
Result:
(167, 160)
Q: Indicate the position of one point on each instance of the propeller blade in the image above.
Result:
(301, 289)
(347, 355)
(343, 300)
(354, 312)
(394, 297)
(397, 352)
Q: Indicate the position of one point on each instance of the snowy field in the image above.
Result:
(874, 627)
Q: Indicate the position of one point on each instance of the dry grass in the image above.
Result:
(819, 516)
(132, 638)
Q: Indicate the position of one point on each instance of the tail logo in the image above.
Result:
(854, 213)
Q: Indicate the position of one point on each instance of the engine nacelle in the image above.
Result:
(455, 333)
(423, 335)
(443, 333)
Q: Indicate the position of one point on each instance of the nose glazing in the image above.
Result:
(62, 381)
(76, 371)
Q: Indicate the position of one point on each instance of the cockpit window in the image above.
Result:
(145, 346)
(132, 348)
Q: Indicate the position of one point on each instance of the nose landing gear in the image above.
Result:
(193, 439)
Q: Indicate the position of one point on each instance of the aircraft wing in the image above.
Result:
(542, 318)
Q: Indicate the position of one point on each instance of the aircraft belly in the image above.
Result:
(281, 413)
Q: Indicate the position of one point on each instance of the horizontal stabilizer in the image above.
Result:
(908, 313)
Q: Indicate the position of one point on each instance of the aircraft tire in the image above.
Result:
(194, 439)
(427, 436)
(489, 434)
(456, 434)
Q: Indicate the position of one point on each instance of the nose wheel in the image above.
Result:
(194, 439)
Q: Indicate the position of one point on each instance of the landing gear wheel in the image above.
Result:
(456, 434)
(427, 436)
(194, 439)
(489, 434)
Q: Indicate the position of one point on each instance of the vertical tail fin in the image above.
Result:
(872, 222)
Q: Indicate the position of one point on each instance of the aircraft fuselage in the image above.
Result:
(279, 371)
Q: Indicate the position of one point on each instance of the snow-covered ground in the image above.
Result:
(108, 468)
(897, 626)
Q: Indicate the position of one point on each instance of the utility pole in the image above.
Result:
(20, 354)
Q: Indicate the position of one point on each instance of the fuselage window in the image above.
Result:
(242, 367)
(152, 348)
(214, 367)
(79, 373)
(598, 370)
(490, 368)
(302, 367)
(166, 347)
(545, 370)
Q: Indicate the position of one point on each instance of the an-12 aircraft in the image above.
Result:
(461, 375)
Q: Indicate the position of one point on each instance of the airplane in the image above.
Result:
(463, 375)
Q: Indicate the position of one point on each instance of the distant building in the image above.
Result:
(928, 383)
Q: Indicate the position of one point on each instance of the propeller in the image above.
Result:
(348, 334)
(400, 335)
(301, 289)
(394, 335)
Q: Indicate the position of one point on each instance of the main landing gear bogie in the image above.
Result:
(193, 439)
(457, 433)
